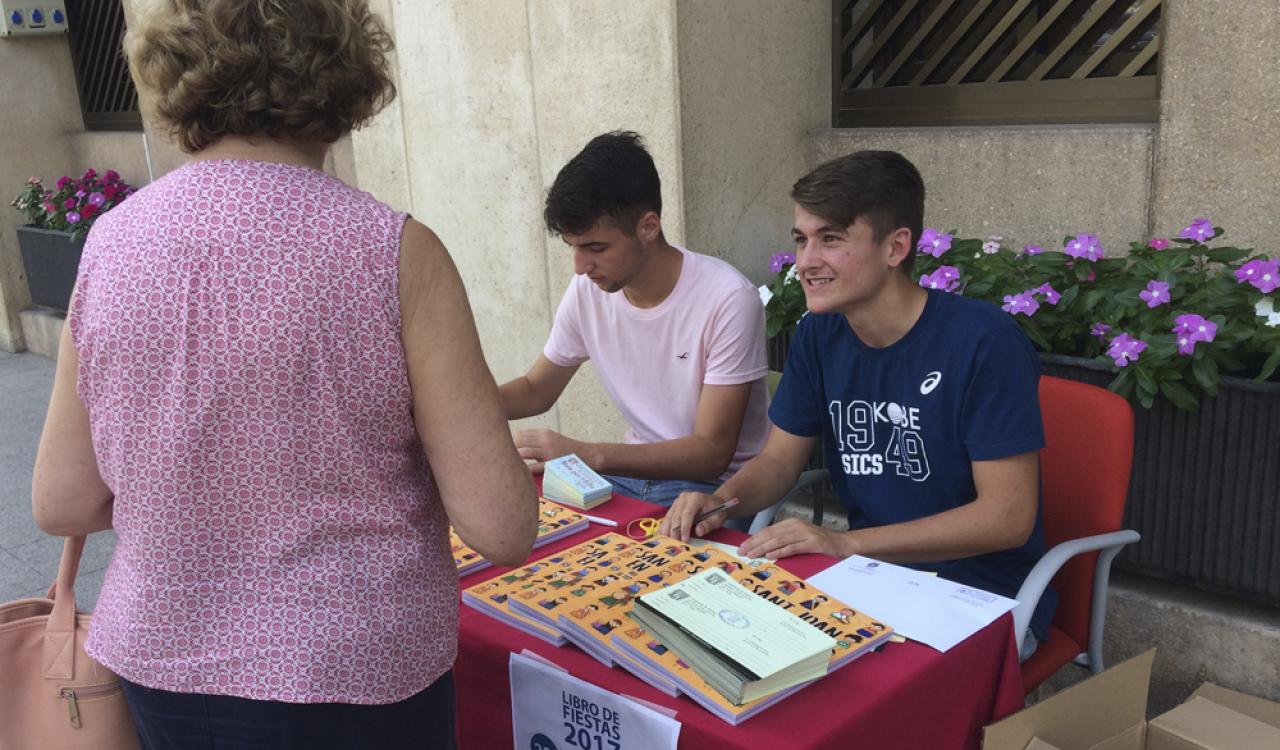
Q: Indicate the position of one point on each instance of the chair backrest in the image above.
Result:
(1084, 474)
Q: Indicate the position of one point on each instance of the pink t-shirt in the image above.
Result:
(654, 361)
(280, 534)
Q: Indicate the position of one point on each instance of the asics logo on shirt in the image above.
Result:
(930, 382)
(683, 356)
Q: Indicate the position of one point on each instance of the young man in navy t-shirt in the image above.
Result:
(926, 402)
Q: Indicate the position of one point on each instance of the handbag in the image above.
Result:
(52, 695)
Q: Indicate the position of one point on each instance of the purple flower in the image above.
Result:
(1125, 349)
(1192, 328)
(1050, 294)
(1032, 249)
(1024, 303)
(1158, 243)
(72, 217)
(932, 242)
(1200, 230)
(1156, 294)
(1099, 330)
(97, 199)
(1263, 274)
(778, 261)
(946, 278)
(1084, 246)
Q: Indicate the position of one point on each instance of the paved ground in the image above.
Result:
(28, 556)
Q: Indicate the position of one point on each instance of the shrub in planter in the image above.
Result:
(58, 219)
(1167, 319)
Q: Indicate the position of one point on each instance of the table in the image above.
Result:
(906, 696)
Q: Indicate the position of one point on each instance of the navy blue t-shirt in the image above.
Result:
(901, 425)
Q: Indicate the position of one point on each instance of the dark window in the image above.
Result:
(984, 62)
(108, 99)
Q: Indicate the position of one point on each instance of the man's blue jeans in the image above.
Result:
(658, 491)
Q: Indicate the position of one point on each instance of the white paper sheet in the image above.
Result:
(920, 606)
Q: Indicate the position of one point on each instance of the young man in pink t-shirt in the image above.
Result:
(676, 337)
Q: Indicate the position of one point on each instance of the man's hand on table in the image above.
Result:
(538, 446)
(795, 537)
(678, 522)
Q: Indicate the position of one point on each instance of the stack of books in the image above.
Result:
(569, 480)
(587, 596)
(554, 522)
(743, 646)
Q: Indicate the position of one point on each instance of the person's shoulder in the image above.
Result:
(968, 317)
(717, 274)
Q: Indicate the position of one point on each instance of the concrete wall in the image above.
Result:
(754, 79)
(1219, 141)
(40, 116)
(1031, 185)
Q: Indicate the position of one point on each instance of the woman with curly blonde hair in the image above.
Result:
(271, 387)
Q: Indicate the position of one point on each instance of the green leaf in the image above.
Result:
(1228, 254)
(1178, 396)
(1206, 372)
(1146, 399)
(1034, 332)
(1145, 381)
(1268, 367)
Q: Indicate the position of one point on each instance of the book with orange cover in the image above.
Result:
(554, 522)
(855, 633)
(575, 589)
(556, 571)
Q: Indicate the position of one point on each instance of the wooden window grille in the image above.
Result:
(108, 99)
(994, 62)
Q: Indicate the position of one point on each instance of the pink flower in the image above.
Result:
(89, 174)
(1158, 243)
(69, 203)
(112, 175)
(63, 181)
(49, 207)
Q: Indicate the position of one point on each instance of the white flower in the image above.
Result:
(1266, 308)
(991, 247)
(791, 275)
(766, 294)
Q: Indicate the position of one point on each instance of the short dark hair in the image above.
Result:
(881, 187)
(612, 176)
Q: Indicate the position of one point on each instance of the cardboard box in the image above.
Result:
(1215, 718)
(1105, 712)
(1108, 712)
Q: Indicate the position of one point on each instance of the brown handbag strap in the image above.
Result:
(60, 631)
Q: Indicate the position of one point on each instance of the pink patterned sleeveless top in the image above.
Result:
(280, 534)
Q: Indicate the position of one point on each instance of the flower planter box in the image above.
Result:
(1205, 492)
(51, 259)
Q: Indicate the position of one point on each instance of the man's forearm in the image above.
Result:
(951, 535)
(691, 458)
(520, 400)
(760, 482)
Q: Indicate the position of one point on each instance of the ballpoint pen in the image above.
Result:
(706, 513)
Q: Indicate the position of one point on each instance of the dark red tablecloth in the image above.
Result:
(907, 696)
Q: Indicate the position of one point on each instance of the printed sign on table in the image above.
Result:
(553, 710)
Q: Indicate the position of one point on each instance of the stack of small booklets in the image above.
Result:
(554, 522)
(569, 480)
(587, 595)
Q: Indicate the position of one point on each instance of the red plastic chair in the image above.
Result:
(1084, 475)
